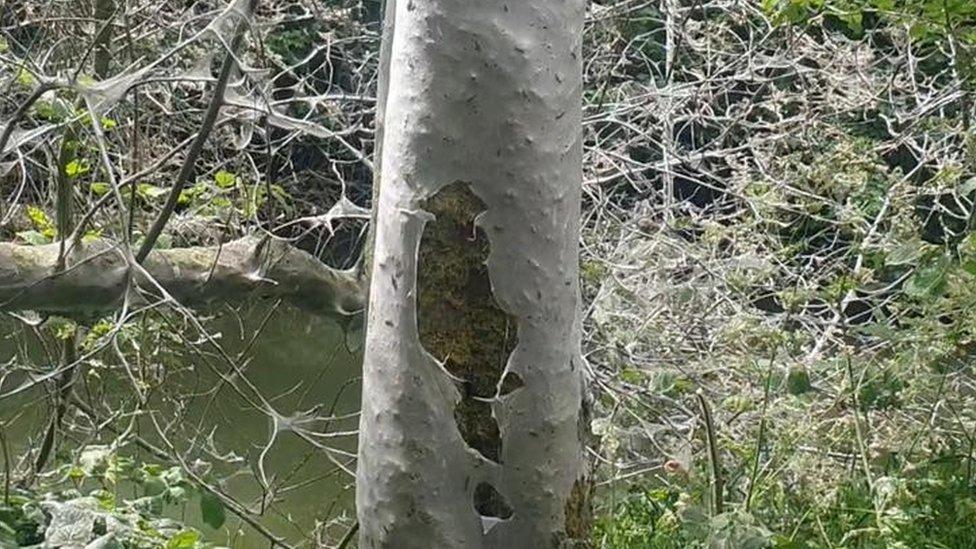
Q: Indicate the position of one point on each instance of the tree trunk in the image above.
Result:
(473, 414)
(103, 14)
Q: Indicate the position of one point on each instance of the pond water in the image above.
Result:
(298, 363)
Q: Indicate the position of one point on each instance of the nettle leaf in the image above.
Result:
(40, 219)
(149, 192)
(224, 179)
(189, 196)
(907, 253)
(798, 381)
(967, 187)
(34, 238)
(99, 188)
(76, 168)
(212, 510)
(929, 279)
(53, 110)
(153, 486)
(25, 78)
(91, 236)
(187, 539)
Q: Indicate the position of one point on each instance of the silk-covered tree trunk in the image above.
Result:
(474, 414)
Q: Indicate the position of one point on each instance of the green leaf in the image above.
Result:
(187, 539)
(63, 328)
(105, 499)
(76, 168)
(8, 536)
(99, 188)
(152, 469)
(26, 79)
(967, 187)
(40, 219)
(221, 202)
(906, 253)
(854, 20)
(225, 180)
(770, 6)
(929, 279)
(782, 542)
(76, 473)
(54, 110)
(153, 486)
(147, 191)
(34, 238)
(189, 196)
(798, 381)
(632, 376)
(970, 266)
(212, 510)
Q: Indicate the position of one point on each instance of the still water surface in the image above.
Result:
(299, 363)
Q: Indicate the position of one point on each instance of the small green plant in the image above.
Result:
(87, 506)
(44, 229)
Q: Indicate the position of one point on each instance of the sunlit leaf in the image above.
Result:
(76, 168)
(225, 180)
(148, 191)
(187, 539)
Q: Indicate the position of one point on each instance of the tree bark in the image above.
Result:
(474, 415)
(97, 277)
(104, 12)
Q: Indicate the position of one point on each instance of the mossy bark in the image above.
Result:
(460, 323)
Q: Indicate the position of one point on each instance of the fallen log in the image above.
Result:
(97, 277)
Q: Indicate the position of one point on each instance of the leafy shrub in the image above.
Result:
(93, 511)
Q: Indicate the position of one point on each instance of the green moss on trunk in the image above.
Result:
(459, 321)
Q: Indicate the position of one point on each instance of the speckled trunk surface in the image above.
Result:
(473, 416)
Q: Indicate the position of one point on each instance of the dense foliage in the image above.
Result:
(788, 239)
(112, 503)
